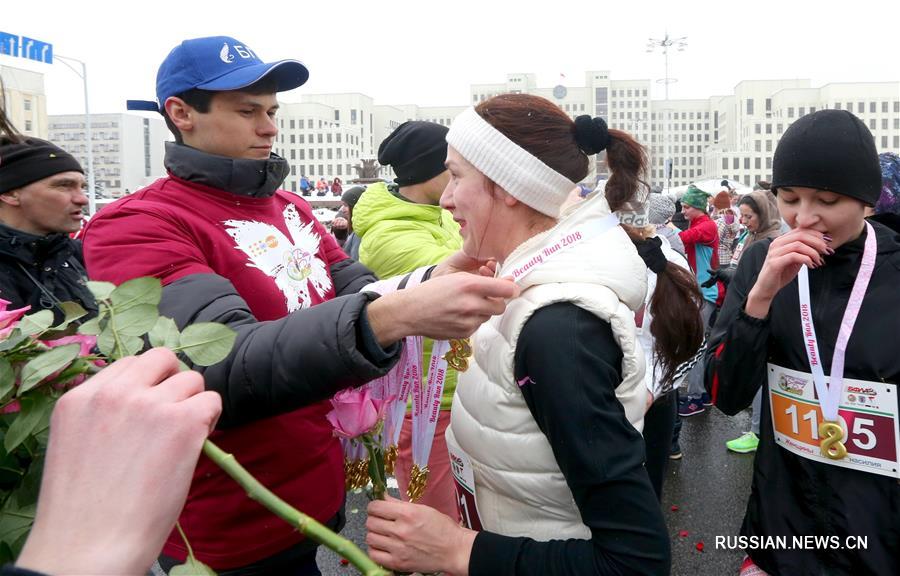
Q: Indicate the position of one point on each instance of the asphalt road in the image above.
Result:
(708, 489)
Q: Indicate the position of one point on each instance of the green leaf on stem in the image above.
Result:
(40, 367)
(73, 312)
(207, 343)
(34, 414)
(14, 339)
(101, 290)
(15, 522)
(165, 333)
(91, 327)
(137, 320)
(36, 323)
(144, 290)
(192, 567)
(7, 378)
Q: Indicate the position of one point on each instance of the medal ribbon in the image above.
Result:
(427, 404)
(829, 394)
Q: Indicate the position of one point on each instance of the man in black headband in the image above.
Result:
(41, 201)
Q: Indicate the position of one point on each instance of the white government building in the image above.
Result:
(326, 135)
(128, 149)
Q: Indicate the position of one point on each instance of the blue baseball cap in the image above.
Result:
(217, 63)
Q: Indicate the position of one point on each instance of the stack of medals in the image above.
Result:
(458, 356)
(356, 465)
(426, 407)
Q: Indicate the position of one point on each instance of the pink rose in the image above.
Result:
(11, 408)
(355, 412)
(87, 342)
(8, 318)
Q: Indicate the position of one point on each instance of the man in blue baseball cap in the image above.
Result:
(231, 247)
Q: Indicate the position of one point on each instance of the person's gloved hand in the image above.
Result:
(720, 274)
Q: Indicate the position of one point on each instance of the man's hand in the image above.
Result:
(122, 452)
(412, 537)
(452, 306)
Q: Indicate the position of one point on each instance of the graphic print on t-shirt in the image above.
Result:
(292, 262)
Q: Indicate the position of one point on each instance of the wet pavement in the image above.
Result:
(708, 488)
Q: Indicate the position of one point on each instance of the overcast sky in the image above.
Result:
(428, 52)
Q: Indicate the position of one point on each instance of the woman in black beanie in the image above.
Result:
(811, 317)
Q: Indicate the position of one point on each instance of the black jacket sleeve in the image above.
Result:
(571, 363)
(281, 365)
(349, 276)
(11, 570)
(738, 344)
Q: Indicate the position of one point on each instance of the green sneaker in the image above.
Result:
(746, 443)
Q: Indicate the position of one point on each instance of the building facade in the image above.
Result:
(128, 149)
(24, 100)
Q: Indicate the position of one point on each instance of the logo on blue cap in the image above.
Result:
(218, 63)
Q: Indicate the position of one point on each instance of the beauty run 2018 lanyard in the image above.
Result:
(561, 239)
(830, 430)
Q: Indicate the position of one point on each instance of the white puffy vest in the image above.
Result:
(519, 488)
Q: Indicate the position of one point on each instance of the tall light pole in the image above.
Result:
(92, 193)
(665, 43)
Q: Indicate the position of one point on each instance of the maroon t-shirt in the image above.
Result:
(277, 256)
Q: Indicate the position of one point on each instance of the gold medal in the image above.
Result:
(418, 479)
(831, 445)
(390, 459)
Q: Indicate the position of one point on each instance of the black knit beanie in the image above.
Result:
(416, 151)
(30, 160)
(829, 150)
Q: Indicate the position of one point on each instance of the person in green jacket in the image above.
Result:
(404, 231)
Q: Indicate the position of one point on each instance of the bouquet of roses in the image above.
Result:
(39, 361)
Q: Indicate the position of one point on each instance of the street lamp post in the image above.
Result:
(665, 43)
(92, 193)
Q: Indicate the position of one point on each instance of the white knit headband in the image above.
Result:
(508, 164)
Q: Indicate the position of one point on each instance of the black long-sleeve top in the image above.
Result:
(574, 366)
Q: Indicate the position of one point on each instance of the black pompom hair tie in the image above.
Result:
(591, 134)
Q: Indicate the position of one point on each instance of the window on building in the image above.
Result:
(321, 169)
(872, 124)
(837, 106)
(293, 154)
(293, 122)
(896, 123)
(352, 116)
(781, 129)
(873, 107)
(768, 145)
(328, 137)
(757, 145)
(749, 106)
(757, 162)
(644, 93)
(768, 104)
(790, 111)
(896, 105)
(884, 123)
(860, 107)
(746, 163)
(330, 157)
(735, 163)
(27, 104)
(812, 109)
(768, 162)
(293, 170)
(319, 137)
(884, 141)
(758, 128)
(302, 154)
(293, 138)
(28, 125)
(896, 141)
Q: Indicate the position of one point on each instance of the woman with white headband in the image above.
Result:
(545, 440)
